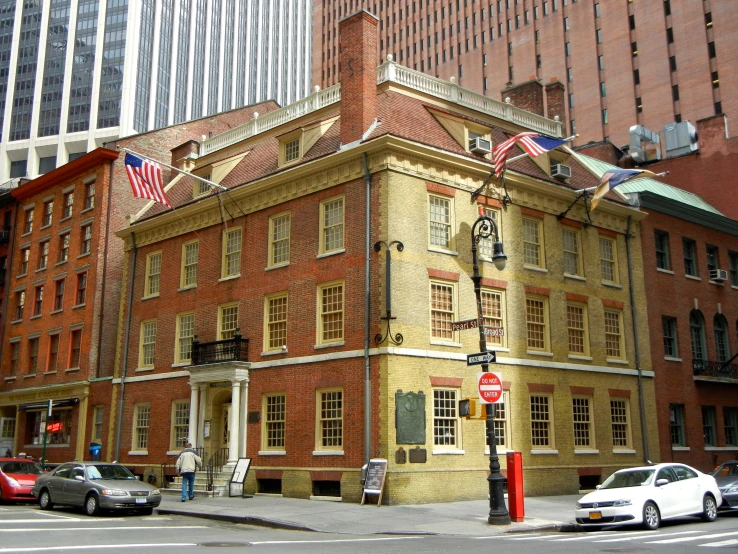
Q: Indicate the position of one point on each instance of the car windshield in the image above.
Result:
(109, 472)
(21, 468)
(623, 479)
(726, 470)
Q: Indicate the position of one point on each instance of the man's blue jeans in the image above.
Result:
(188, 486)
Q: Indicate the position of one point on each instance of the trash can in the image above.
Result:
(95, 451)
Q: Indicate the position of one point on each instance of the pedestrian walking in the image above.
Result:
(187, 464)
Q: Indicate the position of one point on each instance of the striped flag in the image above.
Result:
(146, 181)
(614, 177)
(533, 143)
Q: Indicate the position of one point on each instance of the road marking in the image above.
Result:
(589, 536)
(57, 515)
(506, 536)
(685, 539)
(121, 528)
(96, 546)
(529, 538)
(631, 538)
(13, 521)
(260, 543)
(730, 542)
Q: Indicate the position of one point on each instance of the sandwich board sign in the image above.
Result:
(374, 483)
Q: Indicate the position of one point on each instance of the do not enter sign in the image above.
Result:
(490, 387)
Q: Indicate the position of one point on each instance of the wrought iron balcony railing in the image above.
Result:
(231, 350)
(709, 368)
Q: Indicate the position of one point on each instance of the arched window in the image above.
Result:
(722, 344)
(697, 332)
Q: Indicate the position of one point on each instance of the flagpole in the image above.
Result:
(216, 185)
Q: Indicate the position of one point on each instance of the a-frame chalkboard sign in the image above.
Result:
(374, 483)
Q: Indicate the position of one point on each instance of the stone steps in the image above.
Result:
(220, 484)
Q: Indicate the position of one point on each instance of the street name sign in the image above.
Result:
(463, 325)
(481, 358)
(494, 331)
(490, 387)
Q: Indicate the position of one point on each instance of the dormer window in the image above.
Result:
(292, 150)
(203, 188)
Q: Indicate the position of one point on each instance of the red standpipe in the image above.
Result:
(515, 496)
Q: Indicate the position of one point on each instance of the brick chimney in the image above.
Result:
(184, 152)
(555, 100)
(526, 96)
(358, 74)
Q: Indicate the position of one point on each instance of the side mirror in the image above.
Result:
(79, 478)
(598, 487)
(662, 482)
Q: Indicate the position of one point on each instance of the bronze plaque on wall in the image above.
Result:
(410, 417)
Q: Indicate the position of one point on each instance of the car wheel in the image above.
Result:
(147, 511)
(92, 507)
(709, 508)
(651, 516)
(44, 500)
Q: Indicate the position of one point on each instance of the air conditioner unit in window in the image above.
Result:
(718, 275)
(560, 171)
(479, 145)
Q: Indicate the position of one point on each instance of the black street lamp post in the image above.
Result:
(484, 228)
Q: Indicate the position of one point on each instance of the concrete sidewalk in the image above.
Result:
(452, 518)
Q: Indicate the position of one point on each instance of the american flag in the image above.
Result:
(146, 181)
(533, 143)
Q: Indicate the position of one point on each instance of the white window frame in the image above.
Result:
(274, 421)
(180, 419)
(531, 245)
(502, 421)
(321, 431)
(613, 262)
(181, 339)
(577, 235)
(190, 260)
(231, 258)
(445, 416)
(329, 227)
(452, 314)
(448, 225)
(152, 282)
(223, 332)
(584, 329)
(620, 334)
(582, 408)
(487, 293)
(291, 148)
(141, 427)
(627, 423)
(549, 421)
(147, 339)
(321, 322)
(546, 324)
(275, 243)
(270, 323)
(486, 246)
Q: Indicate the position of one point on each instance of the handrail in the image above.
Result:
(230, 350)
(711, 368)
(215, 465)
(168, 466)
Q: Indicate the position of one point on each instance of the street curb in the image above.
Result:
(570, 528)
(249, 520)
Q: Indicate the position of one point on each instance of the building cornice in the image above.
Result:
(667, 206)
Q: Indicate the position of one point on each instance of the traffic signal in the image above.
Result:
(472, 408)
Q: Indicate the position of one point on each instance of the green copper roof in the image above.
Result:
(653, 186)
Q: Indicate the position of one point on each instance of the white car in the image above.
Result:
(646, 495)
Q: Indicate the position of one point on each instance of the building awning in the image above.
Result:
(44, 405)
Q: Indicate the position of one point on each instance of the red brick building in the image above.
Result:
(7, 217)
(63, 307)
(621, 63)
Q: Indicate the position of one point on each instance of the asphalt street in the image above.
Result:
(25, 528)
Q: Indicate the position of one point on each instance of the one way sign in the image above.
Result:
(481, 358)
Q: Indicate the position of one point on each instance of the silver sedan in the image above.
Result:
(95, 486)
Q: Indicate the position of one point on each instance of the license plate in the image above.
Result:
(141, 500)
(595, 515)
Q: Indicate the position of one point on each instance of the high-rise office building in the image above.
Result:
(77, 73)
(623, 62)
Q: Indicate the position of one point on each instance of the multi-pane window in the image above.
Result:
(608, 266)
(502, 422)
(190, 257)
(486, 246)
(613, 335)
(64, 247)
(576, 322)
(86, 243)
(330, 298)
(733, 264)
(14, 357)
(279, 239)
(148, 343)
(292, 150)
(582, 414)
(68, 205)
(61, 423)
(43, 255)
(722, 345)
(97, 423)
(28, 221)
(228, 322)
(75, 348)
(53, 357)
(153, 274)
(202, 187)
(276, 322)
(536, 323)
(708, 425)
(25, 257)
(492, 314)
(141, 421)
(676, 425)
(440, 221)
(730, 423)
(697, 333)
(33, 355)
(81, 288)
(661, 239)
(38, 301)
(275, 417)
(532, 242)
(713, 262)
(185, 334)
(445, 418)
(620, 422)
(20, 302)
(671, 348)
(90, 195)
(330, 420)
(443, 310)
(332, 223)
(231, 252)
(180, 424)
(690, 257)
(48, 213)
(540, 421)
(570, 243)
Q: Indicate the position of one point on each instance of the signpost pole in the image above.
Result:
(46, 433)
(498, 514)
